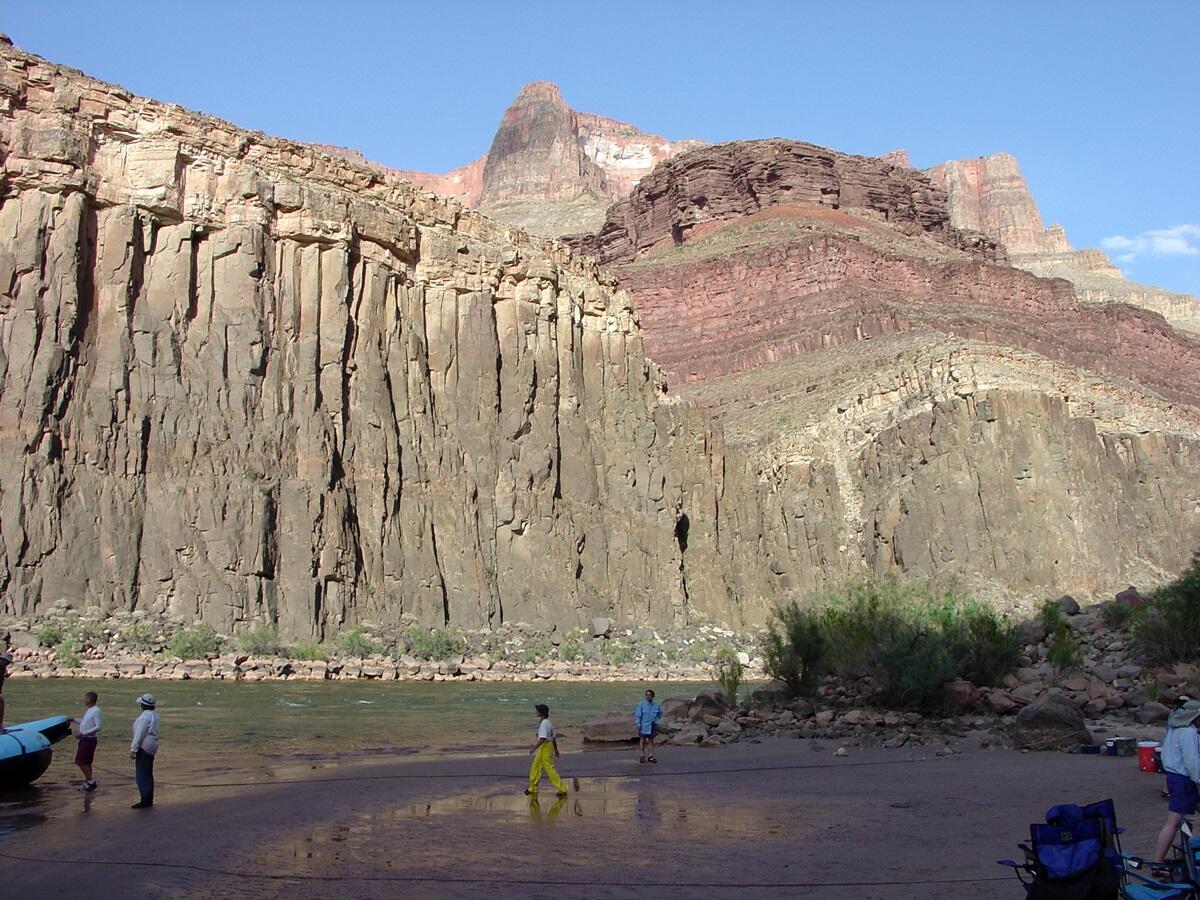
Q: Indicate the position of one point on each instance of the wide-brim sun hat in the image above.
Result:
(1185, 715)
(146, 700)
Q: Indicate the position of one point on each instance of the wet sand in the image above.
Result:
(780, 818)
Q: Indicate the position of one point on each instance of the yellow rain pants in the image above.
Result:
(543, 758)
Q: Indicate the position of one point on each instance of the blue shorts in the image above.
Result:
(1183, 797)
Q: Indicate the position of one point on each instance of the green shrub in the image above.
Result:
(910, 638)
(437, 643)
(1052, 616)
(1064, 652)
(1167, 628)
(261, 640)
(137, 636)
(67, 654)
(307, 651)
(616, 653)
(1116, 615)
(914, 665)
(729, 674)
(355, 643)
(194, 642)
(51, 634)
(699, 653)
(794, 649)
(570, 650)
(983, 647)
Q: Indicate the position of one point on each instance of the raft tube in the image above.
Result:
(24, 756)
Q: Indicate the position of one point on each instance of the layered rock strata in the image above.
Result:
(910, 401)
(244, 380)
(989, 194)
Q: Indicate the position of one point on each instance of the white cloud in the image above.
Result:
(1178, 240)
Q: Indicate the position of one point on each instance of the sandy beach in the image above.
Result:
(779, 818)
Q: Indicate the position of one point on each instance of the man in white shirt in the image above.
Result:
(143, 749)
(88, 736)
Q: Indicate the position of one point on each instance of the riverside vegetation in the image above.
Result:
(68, 643)
(894, 664)
(895, 644)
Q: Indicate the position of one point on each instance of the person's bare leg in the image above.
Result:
(87, 772)
(1167, 836)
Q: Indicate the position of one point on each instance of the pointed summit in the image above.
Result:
(539, 90)
(536, 153)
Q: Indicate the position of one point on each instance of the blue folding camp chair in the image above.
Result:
(1179, 876)
(1074, 855)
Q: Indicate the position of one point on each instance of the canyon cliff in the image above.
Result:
(989, 194)
(913, 400)
(245, 380)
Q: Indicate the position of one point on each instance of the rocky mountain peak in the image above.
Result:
(539, 90)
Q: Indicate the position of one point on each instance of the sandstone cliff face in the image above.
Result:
(244, 380)
(989, 194)
(901, 397)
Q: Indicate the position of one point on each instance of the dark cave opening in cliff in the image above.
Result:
(681, 532)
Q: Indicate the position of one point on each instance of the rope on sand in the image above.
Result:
(459, 776)
(452, 879)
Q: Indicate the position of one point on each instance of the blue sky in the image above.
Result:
(1097, 100)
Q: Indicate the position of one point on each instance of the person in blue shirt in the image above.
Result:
(647, 716)
(1181, 762)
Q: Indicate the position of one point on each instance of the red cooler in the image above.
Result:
(1148, 756)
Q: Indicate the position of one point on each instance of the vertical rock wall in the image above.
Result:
(242, 380)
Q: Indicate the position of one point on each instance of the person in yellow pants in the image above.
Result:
(544, 752)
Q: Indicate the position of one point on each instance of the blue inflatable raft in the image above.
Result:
(25, 750)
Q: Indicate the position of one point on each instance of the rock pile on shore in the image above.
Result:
(1035, 708)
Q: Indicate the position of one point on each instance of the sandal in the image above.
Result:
(652, 759)
(643, 759)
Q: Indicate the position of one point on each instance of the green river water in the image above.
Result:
(212, 725)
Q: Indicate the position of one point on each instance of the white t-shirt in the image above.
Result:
(89, 725)
(546, 730)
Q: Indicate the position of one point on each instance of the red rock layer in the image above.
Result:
(746, 310)
(728, 181)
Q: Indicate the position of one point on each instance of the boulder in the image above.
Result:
(674, 708)
(1001, 703)
(802, 709)
(612, 728)
(691, 734)
(601, 627)
(769, 693)
(1067, 605)
(707, 703)
(1130, 597)
(1152, 713)
(1052, 722)
(959, 696)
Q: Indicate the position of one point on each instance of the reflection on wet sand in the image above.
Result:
(421, 836)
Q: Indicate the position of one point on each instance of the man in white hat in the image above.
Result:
(143, 749)
(1181, 762)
